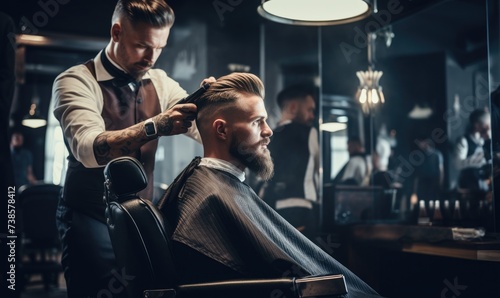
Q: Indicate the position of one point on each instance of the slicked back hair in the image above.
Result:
(225, 91)
(156, 13)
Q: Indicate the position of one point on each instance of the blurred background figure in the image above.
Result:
(357, 170)
(22, 160)
(381, 176)
(295, 151)
(429, 175)
(472, 153)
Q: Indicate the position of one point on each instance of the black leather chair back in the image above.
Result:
(143, 253)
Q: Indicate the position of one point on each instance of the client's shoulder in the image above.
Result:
(208, 180)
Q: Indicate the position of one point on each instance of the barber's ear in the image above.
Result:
(294, 106)
(116, 29)
(220, 128)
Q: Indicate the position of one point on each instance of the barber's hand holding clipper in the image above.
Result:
(179, 118)
(176, 120)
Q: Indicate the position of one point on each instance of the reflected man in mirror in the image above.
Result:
(473, 153)
(429, 174)
(294, 147)
(358, 169)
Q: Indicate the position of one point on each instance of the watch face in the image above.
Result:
(150, 128)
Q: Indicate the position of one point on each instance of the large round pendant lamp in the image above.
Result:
(314, 12)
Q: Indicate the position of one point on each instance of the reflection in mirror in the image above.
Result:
(432, 134)
(291, 76)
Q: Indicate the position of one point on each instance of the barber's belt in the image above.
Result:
(294, 202)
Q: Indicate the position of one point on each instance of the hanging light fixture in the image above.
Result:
(314, 12)
(370, 94)
(33, 119)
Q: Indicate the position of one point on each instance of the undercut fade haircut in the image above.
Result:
(156, 13)
(226, 90)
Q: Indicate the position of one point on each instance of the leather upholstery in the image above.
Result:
(126, 176)
(143, 253)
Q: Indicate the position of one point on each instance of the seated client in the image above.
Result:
(220, 228)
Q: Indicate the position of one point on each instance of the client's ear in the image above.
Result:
(220, 128)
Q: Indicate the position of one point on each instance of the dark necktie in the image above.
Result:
(120, 78)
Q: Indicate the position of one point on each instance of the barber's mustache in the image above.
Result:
(146, 64)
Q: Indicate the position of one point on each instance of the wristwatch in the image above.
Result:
(150, 128)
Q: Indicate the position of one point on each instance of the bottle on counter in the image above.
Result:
(437, 217)
(423, 216)
(457, 213)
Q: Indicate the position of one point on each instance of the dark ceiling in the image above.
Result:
(431, 24)
(420, 26)
(91, 17)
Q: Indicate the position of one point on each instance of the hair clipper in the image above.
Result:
(193, 97)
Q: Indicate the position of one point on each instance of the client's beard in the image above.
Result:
(260, 164)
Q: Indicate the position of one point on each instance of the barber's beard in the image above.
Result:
(259, 163)
(133, 69)
(303, 120)
(138, 74)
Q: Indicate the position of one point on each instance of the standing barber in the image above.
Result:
(295, 151)
(111, 106)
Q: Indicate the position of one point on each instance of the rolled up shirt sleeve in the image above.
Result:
(78, 104)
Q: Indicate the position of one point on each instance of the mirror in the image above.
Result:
(435, 75)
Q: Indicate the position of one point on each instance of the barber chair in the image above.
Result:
(143, 250)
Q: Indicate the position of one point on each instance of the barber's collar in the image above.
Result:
(283, 123)
(102, 74)
(219, 164)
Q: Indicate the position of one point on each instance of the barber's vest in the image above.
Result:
(122, 107)
(289, 149)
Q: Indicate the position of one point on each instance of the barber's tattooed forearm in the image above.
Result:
(126, 142)
(102, 149)
(112, 144)
(165, 125)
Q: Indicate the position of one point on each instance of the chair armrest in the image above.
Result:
(163, 293)
(320, 286)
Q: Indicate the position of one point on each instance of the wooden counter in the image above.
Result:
(419, 261)
(437, 241)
